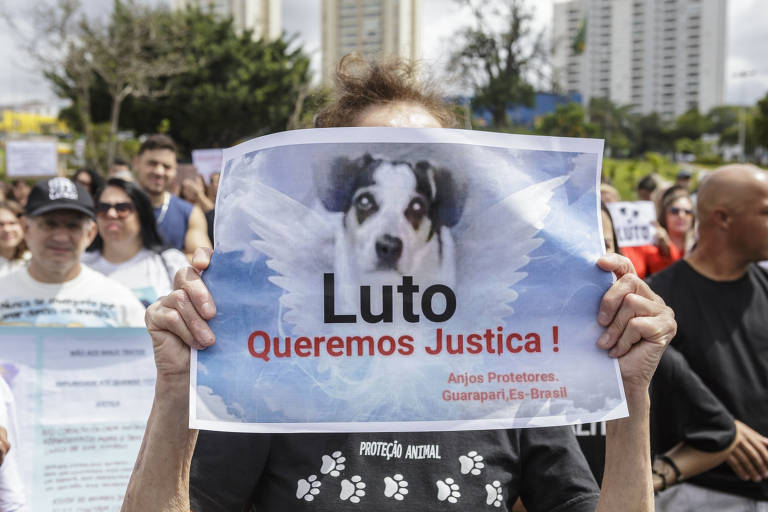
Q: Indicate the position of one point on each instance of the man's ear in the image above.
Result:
(722, 217)
(93, 230)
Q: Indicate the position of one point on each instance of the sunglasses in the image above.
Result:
(677, 211)
(122, 209)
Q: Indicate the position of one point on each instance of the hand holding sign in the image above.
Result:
(179, 320)
(638, 323)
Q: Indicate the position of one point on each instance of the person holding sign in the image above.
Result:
(673, 237)
(544, 466)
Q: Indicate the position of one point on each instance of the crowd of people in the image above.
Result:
(120, 247)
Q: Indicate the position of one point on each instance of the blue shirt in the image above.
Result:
(173, 225)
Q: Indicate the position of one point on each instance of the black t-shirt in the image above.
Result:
(423, 471)
(591, 438)
(684, 409)
(722, 331)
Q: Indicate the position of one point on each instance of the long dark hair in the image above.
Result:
(97, 181)
(150, 237)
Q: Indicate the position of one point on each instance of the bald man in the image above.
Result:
(720, 298)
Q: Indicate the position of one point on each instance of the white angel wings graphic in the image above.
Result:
(491, 245)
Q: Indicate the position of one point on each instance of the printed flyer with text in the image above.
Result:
(393, 279)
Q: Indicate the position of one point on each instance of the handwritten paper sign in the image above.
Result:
(633, 222)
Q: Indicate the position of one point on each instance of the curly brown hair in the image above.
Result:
(361, 84)
(16, 209)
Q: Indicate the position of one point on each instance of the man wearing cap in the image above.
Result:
(55, 288)
(683, 178)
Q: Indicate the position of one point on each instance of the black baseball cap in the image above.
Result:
(684, 174)
(58, 194)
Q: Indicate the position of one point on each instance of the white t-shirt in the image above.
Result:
(12, 497)
(148, 275)
(7, 266)
(88, 300)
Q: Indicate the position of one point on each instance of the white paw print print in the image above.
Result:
(333, 464)
(494, 494)
(308, 488)
(471, 463)
(395, 487)
(352, 489)
(448, 490)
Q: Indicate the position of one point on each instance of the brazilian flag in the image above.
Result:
(580, 41)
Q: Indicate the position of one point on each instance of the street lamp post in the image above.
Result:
(743, 116)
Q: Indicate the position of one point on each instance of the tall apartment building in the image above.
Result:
(373, 28)
(264, 17)
(664, 56)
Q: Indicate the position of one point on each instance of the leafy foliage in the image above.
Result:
(234, 87)
(761, 122)
(495, 64)
(224, 86)
(566, 121)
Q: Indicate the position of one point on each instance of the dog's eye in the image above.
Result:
(364, 202)
(417, 206)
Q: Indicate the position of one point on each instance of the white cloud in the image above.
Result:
(211, 406)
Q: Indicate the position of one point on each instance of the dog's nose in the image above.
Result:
(388, 249)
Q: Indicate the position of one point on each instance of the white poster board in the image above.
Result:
(633, 222)
(83, 396)
(207, 162)
(386, 279)
(31, 158)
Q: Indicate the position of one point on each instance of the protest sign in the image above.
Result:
(207, 162)
(83, 397)
(411, 280)
(31, 158)
(633, 222)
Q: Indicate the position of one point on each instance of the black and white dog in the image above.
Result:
(395, 220)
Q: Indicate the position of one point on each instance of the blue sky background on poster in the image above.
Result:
(569, 245)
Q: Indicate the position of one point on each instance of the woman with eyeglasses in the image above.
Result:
(128, 247)
(13, 249)
(674, 234)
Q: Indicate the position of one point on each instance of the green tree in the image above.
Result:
(137, 47)
(495, 64)
(566, 121)
(614, 123)
(653, 134)
(761, 122)
(691, 125)
(234, 87)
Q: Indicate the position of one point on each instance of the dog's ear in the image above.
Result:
(336, 187)
(445, 192)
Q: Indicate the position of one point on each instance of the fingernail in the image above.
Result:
(613, 353)
(208, 309)
(603, 340)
